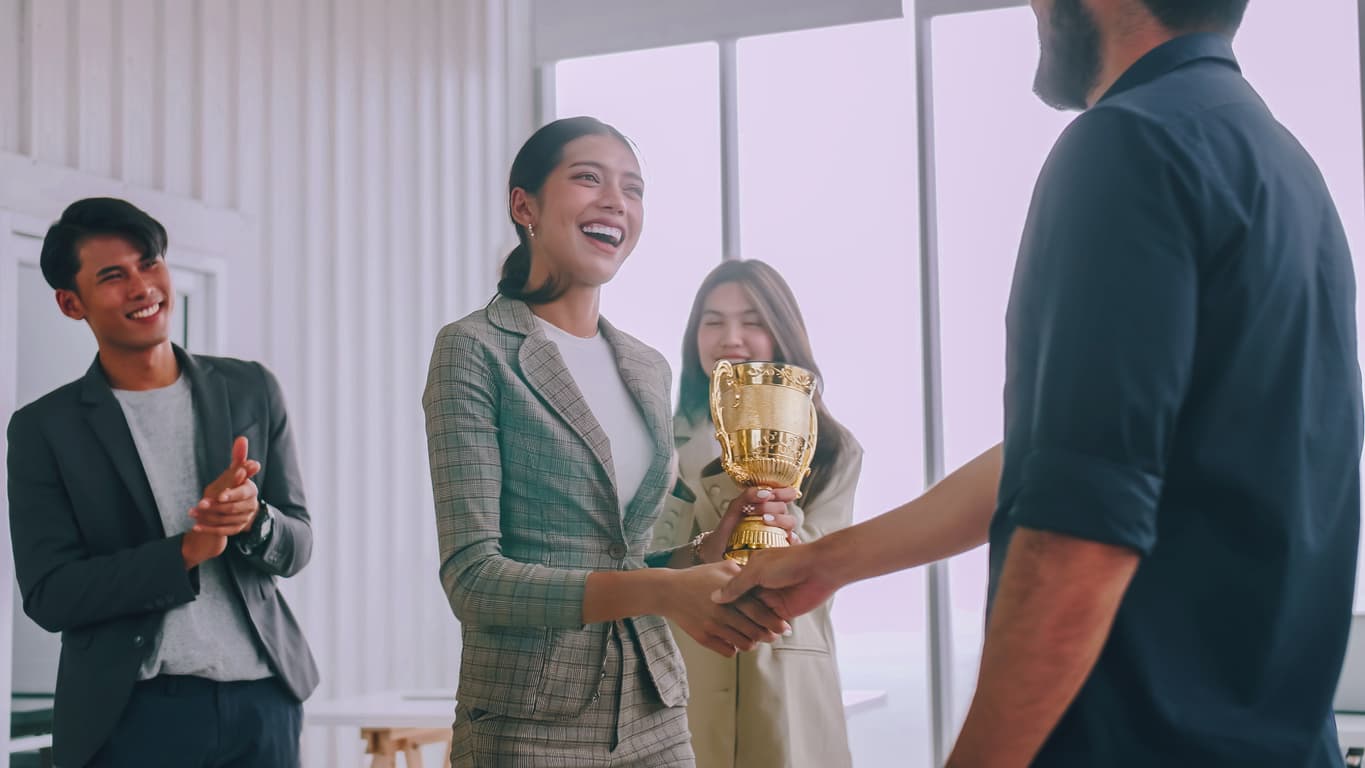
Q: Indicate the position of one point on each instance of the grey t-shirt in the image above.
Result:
(210, 636)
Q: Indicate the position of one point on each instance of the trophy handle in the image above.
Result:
(808, 453)
(722, 381)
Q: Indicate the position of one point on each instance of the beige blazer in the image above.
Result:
(526, 507)
(780, 705)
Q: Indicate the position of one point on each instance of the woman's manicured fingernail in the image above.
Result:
(764, 493)
(768, 518)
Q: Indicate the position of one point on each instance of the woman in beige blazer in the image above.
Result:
(779, 705)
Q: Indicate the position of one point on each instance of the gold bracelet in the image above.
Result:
(697, 540)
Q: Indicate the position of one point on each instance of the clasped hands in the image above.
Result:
(747, 621)
(228, 507)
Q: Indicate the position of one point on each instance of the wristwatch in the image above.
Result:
(251, 539)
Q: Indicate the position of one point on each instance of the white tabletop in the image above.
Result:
(435, 708)
(30, 743)
(1350, 730)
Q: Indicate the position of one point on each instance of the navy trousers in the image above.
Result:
(197, 723)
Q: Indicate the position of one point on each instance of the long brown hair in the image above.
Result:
(777, 307)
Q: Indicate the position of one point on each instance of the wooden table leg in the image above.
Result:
(386, 743)
(379, 742)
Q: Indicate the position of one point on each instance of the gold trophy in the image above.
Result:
(764, 414)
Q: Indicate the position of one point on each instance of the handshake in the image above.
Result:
(729, 608)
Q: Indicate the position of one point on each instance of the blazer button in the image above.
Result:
(617, 551)
(138, 641)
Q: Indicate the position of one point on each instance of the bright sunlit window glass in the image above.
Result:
(667, 101)
(827, 196)
(992, 135)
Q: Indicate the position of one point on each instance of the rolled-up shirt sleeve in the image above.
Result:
(1103, 328)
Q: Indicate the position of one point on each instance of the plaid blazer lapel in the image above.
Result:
(545, 371)
(639, 371)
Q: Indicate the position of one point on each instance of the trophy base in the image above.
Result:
(751, 534)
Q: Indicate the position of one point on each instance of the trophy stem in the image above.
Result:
(752, 534)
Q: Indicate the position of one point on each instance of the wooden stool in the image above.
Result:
(386, 744)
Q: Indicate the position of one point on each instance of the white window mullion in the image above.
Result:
(729, 150)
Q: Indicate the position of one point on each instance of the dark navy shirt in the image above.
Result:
(1182, 380)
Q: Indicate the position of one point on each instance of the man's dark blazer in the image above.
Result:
(92, 557)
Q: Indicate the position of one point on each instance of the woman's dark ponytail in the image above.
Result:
(515, 270)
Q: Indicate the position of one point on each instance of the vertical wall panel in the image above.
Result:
(216, 143)
(440, 647)
(13, 22)
(250, 178)
(474, 168)
(49, 74)
(373, 313)
(398, 459)
(493, 187)
(316, 411)
(366, 146)
(248, 106)
(93, 54)
(282, 213)
(179, 116)
(348, 316)
(141, 100)
(427, 604)
(450, 137)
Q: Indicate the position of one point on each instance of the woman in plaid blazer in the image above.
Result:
(551, 447)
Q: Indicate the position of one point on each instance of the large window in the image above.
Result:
(826, 196)
(991, 137)
(675, 122)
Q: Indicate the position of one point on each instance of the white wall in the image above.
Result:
(365, 145)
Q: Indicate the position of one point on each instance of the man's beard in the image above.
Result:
(1069, 60)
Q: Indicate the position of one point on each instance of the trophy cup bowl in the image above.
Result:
(764, 414)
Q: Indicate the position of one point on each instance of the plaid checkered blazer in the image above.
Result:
(526, 507)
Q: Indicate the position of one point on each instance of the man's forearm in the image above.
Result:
(1053, 610)
(143, 579)
(952, 517)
